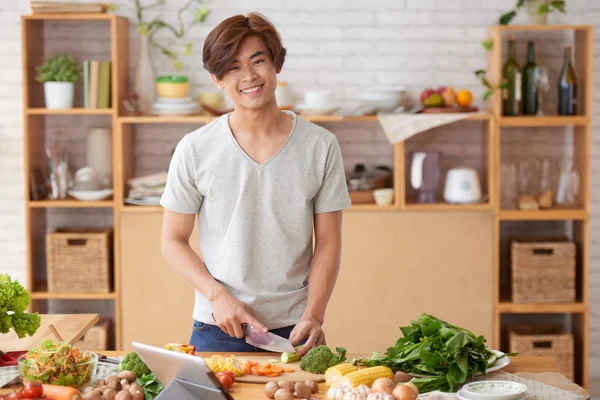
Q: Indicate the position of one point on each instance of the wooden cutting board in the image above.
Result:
(297, 375)
(70, 327)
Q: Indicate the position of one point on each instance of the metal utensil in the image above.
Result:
(267, 340)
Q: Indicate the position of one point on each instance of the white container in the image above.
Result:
(59, 95)
(283, 96)
(462, 186)
(532, 12)
(384, 197)
(317, 99)
(99, 154)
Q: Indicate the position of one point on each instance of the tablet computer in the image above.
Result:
(182, 375)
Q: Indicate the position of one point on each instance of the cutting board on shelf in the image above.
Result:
(297, 375)
(70, 327)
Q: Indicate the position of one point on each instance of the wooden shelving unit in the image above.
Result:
(35, 139)
(581, 125)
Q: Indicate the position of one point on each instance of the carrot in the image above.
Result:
(276, 370)
(288, 370)
(273, 374)
(62, 392)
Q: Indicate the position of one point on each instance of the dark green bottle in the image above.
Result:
(567, 87)
(511, 76)
(529, 89)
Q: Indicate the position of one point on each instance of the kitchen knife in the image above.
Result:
(267, 340)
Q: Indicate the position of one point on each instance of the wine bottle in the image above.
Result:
(567, 87)
(511, 76)
(529, 90)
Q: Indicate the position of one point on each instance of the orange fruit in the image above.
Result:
(464, 98)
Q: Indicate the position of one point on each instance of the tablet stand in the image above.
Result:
(181, 389)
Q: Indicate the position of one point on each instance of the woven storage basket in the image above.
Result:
(544, 341)
(79, 260)
(542, 270)
(96, 338)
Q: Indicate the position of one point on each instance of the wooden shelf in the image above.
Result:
(372, 207)
(447, 206)
(70, 111)
(550, 120)
(141, 209)
(155, 119)
(72, 16)
(156, 209)
(549, 27)
(70, 204)
(541, 308)
(540, 215)
(40, 292)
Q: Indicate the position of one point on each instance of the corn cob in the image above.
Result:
(333, 375)
(366, 376)
(219, 363)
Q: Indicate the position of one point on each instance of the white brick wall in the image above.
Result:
(346, 45)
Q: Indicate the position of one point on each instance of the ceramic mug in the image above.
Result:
(211, 99)
(384, 197)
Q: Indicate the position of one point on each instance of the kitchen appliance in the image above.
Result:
(425, 175)
(462, 186)
(267, 340)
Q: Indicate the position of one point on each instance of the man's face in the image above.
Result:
(252, 79)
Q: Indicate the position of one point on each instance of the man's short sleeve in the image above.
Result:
(181, 193)
(333, 193)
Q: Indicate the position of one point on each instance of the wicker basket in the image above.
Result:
(79, 260)
(544, 341)
(543, 270)
(96, 338)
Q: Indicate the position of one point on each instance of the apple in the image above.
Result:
(426, 93)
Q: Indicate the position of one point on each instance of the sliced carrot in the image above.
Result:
(277, 370)
(288, 369)
(273, 374)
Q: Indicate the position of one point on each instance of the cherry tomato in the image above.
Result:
(15, 395)
(33, 389)
(228, 373)
(226, 381)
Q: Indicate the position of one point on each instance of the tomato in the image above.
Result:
(15, 395)
(33, 389)
(226, 381)
(228, 373)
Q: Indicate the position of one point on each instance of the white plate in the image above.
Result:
(143, 202)
(493, 390)
(315, 110)
(503, 362)
(174, 100)
(90, 195)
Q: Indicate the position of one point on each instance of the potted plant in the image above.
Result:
(59, 73)
(537, 11)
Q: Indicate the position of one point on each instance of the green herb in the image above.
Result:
(447, 354)
(14, 300)
(59, 68)
(57, 364)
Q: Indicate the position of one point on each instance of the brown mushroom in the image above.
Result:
(109, 394)
(302, 390)
(313, 385)
(130, 376)
(270, 389)
(289, 385)
(283, 394)
(113, 383)
(123, 395)
(93, 395)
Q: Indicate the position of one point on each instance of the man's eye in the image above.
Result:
(232, 68)
(258, 61)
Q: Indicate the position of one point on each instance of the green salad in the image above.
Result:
(58, 364)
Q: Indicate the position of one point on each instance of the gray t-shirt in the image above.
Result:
(255, 221)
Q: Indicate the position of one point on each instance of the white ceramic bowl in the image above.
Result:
(90, 195)
(493, 390)
(382, 99)
(384, 197)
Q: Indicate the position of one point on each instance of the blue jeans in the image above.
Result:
(210, 338)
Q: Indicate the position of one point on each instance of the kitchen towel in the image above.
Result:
(399, 127)
(536, 390)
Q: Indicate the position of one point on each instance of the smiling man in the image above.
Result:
(261, 181)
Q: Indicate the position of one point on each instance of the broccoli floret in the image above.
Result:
(132, 362)
(319, 359)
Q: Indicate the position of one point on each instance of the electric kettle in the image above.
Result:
(462, 186)
(425, 176)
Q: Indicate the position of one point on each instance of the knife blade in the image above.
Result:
(267, 340)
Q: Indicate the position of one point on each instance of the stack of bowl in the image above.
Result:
(173, 96)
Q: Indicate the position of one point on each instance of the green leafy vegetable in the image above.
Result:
(318, 359)
(447, 354)
(58, 364)
(151, 385)
(14, 300)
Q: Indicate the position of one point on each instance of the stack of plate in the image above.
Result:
(175, 106)
(493, 390)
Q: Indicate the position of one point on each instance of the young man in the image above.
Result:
(260, 180)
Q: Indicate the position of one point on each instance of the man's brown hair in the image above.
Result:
(222, 42)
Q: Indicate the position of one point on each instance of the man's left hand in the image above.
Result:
(307, 328)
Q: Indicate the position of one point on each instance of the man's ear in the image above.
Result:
(218, 83)
(278, 69)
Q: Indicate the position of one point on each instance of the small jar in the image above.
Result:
(172, 86)
(283, 96)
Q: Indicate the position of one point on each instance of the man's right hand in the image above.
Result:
(230, 313)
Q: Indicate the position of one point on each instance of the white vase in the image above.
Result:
(532, 12)
(59, 95)
(143, 81)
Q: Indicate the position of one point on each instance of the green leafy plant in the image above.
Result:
(14, 300)
(59, 68)
(507, 17)
(195, 11)
(446, 353)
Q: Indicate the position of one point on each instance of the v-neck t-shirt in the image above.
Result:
(255, 220)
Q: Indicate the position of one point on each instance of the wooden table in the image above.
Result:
(247, 391)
